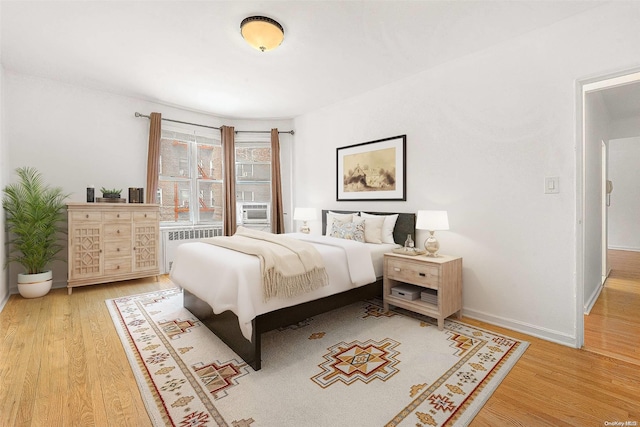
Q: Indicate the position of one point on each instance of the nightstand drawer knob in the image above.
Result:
(421, 274)
(396, 269)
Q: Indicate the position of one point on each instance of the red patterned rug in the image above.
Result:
(355, 366)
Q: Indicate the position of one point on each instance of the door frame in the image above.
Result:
(583, 87)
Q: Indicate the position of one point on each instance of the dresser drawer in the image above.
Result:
(117, 231)
(145, 216)
(413, 272)
(117, 216)
(87, 216)
(117, 265)
(118, 248)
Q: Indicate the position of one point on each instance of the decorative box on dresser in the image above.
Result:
(442, 274)
(110, 242)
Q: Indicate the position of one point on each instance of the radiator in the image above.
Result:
(173, 237)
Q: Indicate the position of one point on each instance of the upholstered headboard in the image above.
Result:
(406, 223)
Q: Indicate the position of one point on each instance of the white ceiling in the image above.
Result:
(190, 53)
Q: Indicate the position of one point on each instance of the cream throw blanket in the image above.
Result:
(289, 266)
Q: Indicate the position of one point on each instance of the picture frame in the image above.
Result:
(372, 171)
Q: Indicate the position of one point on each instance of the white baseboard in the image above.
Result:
(592, 299)
(623, 248)
(525, 328)
(4, 301)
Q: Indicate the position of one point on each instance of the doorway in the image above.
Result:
(604, 104)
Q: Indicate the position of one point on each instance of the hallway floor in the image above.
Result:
(613, 326)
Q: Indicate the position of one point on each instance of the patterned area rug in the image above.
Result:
(355, 366)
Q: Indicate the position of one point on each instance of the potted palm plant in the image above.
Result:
(34, 216)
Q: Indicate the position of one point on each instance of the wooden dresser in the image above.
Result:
(109, 242)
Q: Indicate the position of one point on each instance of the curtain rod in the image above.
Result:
(291, 132)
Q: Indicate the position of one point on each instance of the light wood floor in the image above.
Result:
(62, 364)
(612, 327)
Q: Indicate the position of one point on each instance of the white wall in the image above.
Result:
(4, 282)
(482, 133)
(77, 137)
(624, 211)
(625, 128)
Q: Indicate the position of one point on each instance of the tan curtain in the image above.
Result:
(277, 215)
(153, 157)
(229, 153)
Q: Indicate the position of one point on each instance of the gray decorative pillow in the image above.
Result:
(348, 230)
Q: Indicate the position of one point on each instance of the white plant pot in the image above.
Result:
(35, 285)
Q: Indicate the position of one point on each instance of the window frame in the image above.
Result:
(253, 141)
(193, 177)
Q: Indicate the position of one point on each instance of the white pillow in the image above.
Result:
(340, 218)
(387, 227)
(373, 229)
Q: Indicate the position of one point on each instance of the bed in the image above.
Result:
(242, 330)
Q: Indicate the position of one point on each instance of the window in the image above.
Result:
(253, 184)
(190, 185)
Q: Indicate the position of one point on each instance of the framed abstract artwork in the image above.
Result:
(374, 170)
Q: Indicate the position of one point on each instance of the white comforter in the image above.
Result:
(230, 280)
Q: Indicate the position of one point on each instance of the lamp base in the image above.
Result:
(305, 228)
(431, 245)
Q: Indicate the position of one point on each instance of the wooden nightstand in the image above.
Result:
(443, 274)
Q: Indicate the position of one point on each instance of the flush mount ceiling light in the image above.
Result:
(261, 32)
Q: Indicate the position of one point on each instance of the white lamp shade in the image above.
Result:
(432, 220)
(304, 214)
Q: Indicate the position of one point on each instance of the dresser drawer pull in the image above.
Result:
(118, 250)
(421, 274)
(118, 216)
(396, 268)
(87, 216)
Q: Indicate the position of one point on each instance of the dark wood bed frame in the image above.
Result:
(226, 327)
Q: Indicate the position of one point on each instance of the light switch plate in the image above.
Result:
(552, 185)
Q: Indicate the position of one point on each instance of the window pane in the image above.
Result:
(253, 192)
(253, 152)
(209, 183)
(209, 159)
(253, 172)
(253, 184)
(174, 198)
(210, 201)
(174, 154)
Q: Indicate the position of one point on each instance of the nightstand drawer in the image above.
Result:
(412, 272)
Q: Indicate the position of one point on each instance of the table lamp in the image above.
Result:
(304, 215)
(432, 221)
